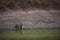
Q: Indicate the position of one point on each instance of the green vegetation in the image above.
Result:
(12, 4)
(30, 35)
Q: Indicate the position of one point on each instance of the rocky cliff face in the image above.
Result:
(36, 18)
(33, 13)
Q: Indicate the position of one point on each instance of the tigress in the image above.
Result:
(18, 26)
